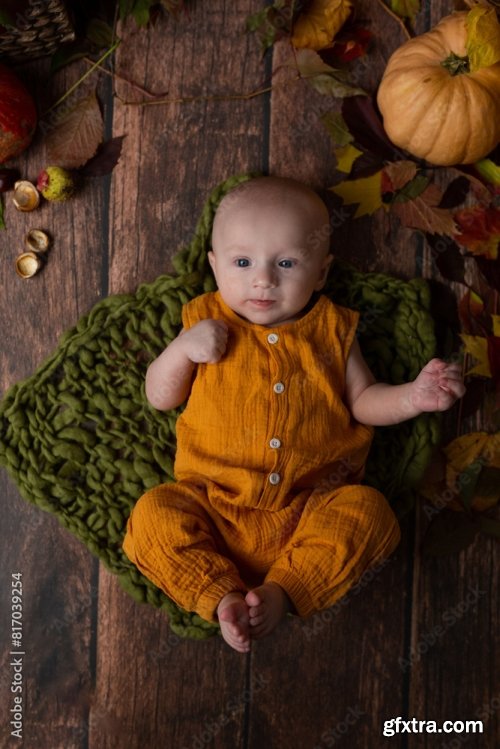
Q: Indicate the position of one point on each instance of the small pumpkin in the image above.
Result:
(18, 115)
(432, 106)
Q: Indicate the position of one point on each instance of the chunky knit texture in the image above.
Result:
(80, 440)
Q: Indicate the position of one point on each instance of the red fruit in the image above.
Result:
(17, 115)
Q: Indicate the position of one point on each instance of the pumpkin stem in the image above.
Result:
(456, 65)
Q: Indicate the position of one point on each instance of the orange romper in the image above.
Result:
(267, 471)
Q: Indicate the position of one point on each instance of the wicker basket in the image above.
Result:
(41, 26)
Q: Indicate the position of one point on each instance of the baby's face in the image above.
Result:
(267, 263)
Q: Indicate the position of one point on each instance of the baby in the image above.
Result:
(267, 514)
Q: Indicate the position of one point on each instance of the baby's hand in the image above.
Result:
(437, 387)
(205, 342)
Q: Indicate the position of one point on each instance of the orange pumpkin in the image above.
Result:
(432, 106)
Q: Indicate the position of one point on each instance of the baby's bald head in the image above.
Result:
(281, 200)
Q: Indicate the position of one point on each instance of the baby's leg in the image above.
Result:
(339, 536)
(173, 542)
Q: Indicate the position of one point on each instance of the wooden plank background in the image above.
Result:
(102, 671)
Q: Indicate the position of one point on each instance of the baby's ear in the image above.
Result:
(211, 259)
(324, 272)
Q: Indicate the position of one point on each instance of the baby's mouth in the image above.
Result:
(262, 303)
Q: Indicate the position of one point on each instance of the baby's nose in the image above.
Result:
(265, 277)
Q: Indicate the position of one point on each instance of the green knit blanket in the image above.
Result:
(81, 442)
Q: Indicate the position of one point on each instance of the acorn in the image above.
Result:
(55, 183)
(26, 197)
(27, 264)
(37, 240)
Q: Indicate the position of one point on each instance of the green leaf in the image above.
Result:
(406, 8)
(412, 189)
(100, 33)
(337, 128)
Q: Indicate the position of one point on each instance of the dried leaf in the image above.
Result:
(400, 173)
(366, 127)
(366, 192)
(470, 307)
(483, 37)
(423, 213)
(406, 8)
(490, 269)
(325, 79)
(477, 347)
(105, 159)
(448, 258)
(455, 193)
(272, 23)
(479, 230)
(318, 24)
(352, 44)
(471, 474)
(77, 135)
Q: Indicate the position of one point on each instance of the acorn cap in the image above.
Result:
(27, 264)
(26, 197)
(37, 240)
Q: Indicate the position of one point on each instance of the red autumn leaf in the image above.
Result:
(351, 44)
(479, 230)
(365, 125)
(105, 159)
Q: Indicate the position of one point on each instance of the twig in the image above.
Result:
(113, 74)
(203, 97)
(83, 77)
(396, 18)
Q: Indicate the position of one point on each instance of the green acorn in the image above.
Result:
(55, 183)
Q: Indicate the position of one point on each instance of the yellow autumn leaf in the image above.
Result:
(366, 191)
(483, 37)
(346, 157)
(477, 347)
(316, 27)
(460, 462)
(496, 325)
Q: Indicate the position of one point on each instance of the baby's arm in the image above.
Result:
(168, 379)
(436, 388)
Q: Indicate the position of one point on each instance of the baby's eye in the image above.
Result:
(286, 263)
(242, 262)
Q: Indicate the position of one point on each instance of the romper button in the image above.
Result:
(279, 387)
(275, 442)
(273, 338)
(274, 478)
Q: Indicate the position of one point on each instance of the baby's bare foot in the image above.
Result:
(267, 605)
(234, 621)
